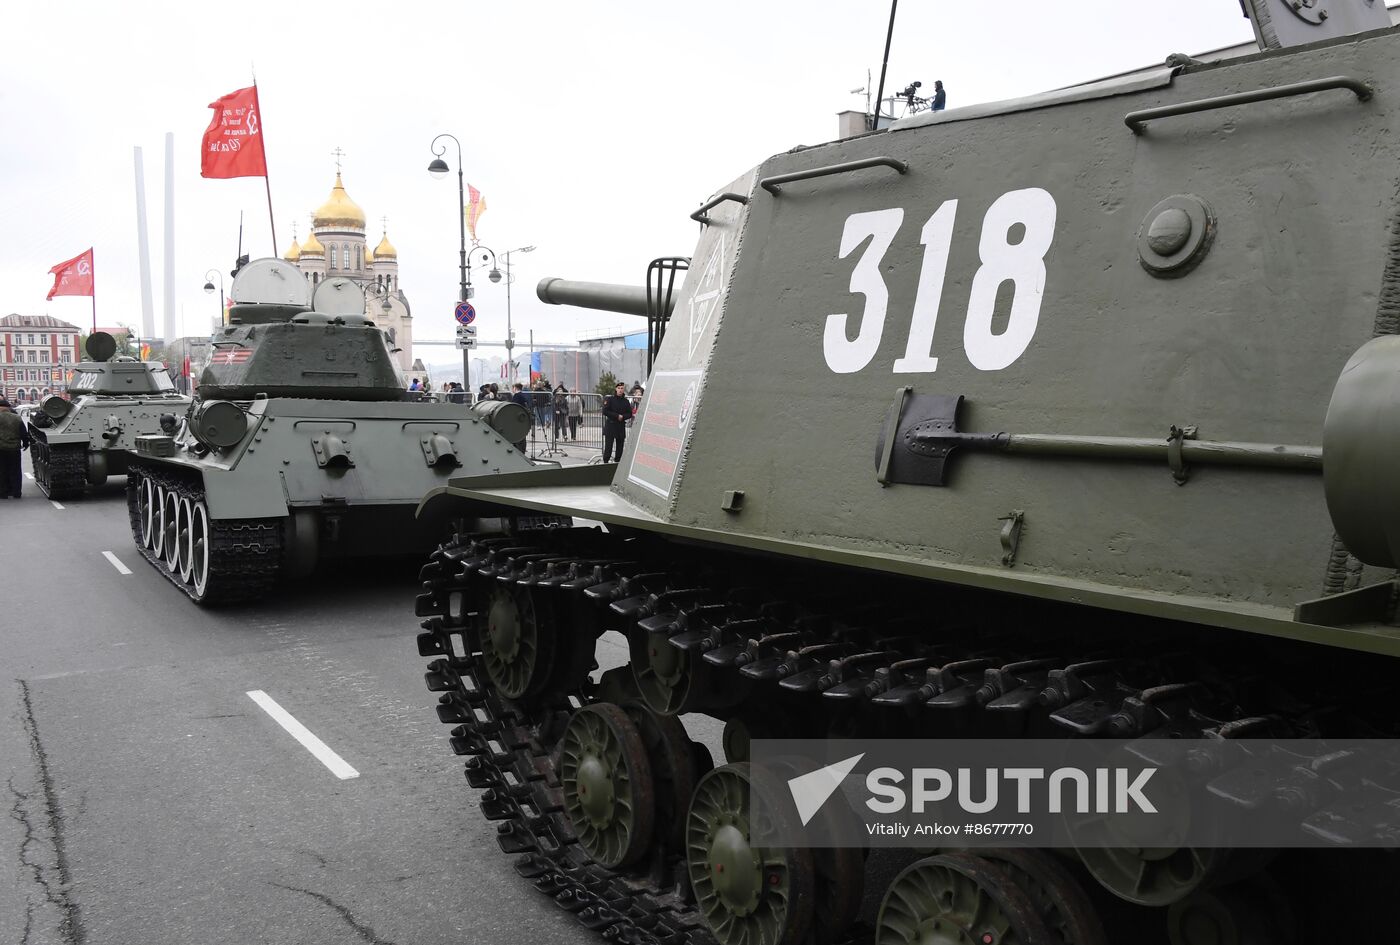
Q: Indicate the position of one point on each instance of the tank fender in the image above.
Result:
(1361, 453)
(60, 439)
(443, 505)
(243, 497)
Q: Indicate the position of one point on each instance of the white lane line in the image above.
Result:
(116, 562)
(29, 476)
(301, 733)
(56, 505)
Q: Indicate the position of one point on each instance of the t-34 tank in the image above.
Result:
(82, 441)
(1070, 416)
(300, 445)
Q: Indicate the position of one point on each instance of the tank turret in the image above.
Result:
(284, 341)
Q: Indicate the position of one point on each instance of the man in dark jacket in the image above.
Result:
(14, 436)
(617, 410)
(561, 411)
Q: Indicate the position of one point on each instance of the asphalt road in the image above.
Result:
(151, 800)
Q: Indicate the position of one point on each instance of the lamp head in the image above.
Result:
(438, 168)
(494, 275)
(208, 287)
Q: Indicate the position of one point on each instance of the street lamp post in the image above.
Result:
(209, 287)
(510, 333)
(438, 168)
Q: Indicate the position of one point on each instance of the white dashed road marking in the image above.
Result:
(301, 733)
(56, 505)
(116, 562)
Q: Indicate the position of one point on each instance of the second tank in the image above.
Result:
(300, 445)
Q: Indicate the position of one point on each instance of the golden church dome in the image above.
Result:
(385, 249)
(339, 210)
(293, 252)
(312, 246)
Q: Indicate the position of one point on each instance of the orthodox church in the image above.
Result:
(336, 246)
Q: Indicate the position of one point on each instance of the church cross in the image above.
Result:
(338, 155)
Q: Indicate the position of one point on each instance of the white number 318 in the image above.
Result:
(1021, 263)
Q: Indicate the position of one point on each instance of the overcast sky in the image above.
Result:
(593, 129)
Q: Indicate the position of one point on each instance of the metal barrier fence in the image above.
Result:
(555, 434)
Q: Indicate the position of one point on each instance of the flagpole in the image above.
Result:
(94, 293)
(267, 178)
(271, 220)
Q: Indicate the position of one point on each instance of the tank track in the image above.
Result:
(245, 554)
(866, 667)
(60, 471)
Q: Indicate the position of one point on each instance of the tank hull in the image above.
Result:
(1049, 419)
(93, 440)
(307, 481)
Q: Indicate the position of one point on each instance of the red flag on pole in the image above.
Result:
(73, 277)
(233, 142)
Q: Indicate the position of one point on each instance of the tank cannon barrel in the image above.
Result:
(605, 296)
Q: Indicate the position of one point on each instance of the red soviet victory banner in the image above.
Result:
(73, 277)
(233, 142)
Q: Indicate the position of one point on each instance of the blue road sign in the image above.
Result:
(465, 313)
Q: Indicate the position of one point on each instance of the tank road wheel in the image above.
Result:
(747, 894)
(672, 757)
(957, 899)
(186, 531)
(1061, 901)
(1153, 876)
(145, 511)
(672, 680)
(199, 548)
(158, 521)
(608, 793)
(518, 645)
(173, 537)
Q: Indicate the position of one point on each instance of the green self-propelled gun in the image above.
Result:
(300, 445)
(1072, 416)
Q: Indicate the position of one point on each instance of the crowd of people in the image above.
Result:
(559, 409)
(451, 391)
